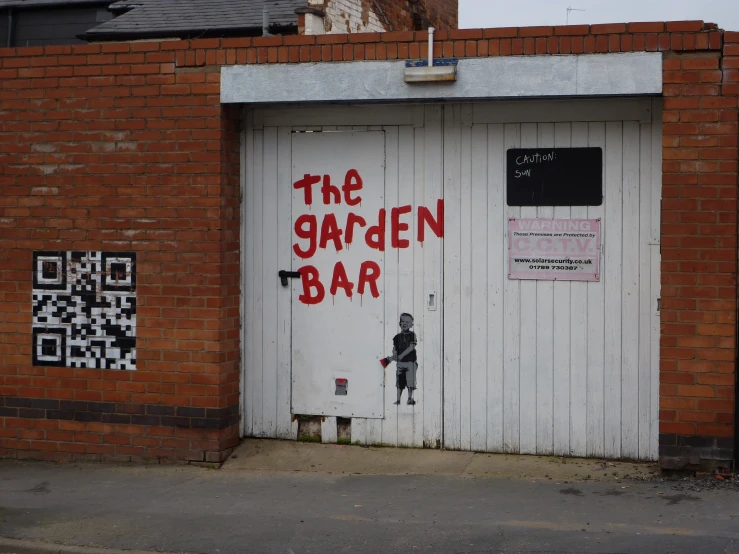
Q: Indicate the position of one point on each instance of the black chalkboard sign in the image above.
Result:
(555, 177)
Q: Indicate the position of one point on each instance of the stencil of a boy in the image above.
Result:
(404, 354)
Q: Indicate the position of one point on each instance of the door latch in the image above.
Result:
(285, 275)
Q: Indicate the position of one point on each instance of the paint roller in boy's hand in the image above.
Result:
(386, 361)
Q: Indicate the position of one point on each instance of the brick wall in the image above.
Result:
(406, 15)
(699, 245)
(345, 16)
(368, 16)
(110, 148)
(442, 14)
(125, 147)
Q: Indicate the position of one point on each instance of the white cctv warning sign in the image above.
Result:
(554, 249)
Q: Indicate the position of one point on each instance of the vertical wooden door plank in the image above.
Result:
(656, 260)
(497, 280)
(630, 335)
(419, 305)
(407, 415)
(528, 331)
(433, 272)
(392, 308)
(329, 430)
(258, 388)
(249, 321)
(284, 294)
(374, 431)
(545, 333)
(596, 321)
(374, 426)
(561, 332)
(270, 283)
(512, 327)
(452, 277)
(611, 277)
(645, 288)
(465, 296)
(359, 433)
(476, 292)
(579, 334)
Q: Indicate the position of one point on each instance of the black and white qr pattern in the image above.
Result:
(84, 309)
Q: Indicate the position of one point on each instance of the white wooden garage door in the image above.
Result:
(294, 352)
(566, 368)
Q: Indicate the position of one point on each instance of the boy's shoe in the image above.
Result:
(396, 402)
(411, 401)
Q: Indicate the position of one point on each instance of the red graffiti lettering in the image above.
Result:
(308, 234)
(306, 183)
(369, 273)
(340, 280)
(436, 225)
(352, 182)
(396, 227)
(309, 277)
(351, 220)
(330, 232)
(328, 190)
(375, 235)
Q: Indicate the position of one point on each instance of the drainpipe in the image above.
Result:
(431, 46)
(10, 27)
(265, 22)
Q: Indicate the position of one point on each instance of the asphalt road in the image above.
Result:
(189, 509)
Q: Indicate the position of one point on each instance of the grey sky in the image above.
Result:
(517, 13)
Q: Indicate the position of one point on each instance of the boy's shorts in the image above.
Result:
(407, 369)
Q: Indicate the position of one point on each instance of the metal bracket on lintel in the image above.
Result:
(443, 69)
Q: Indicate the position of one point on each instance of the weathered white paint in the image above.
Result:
(406, 279)
(314, 24)
(477, 78)
(350, 16)
(340, 337)
(566, 368)
(342, 16)
(565, 379)
(329, 430)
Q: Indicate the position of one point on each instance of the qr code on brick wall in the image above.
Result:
(84, 309)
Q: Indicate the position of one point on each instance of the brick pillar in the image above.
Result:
(699, 260)
(230, 297)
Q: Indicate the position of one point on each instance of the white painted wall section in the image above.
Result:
(351, 16)
(343, 16)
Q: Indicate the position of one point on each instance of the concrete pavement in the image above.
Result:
(334, 459)
(260, 503)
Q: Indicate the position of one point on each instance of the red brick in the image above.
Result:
(258, 42)
(572, 30)
(608, 28)
(465, 34)
(677, 428)
(648, 27)
(707, 430)
(683, 26)
(331, 39)
(703, 417)
(536, 31)
(501, 32)
(398, 36)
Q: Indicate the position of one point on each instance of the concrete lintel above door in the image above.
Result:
(618, 74)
